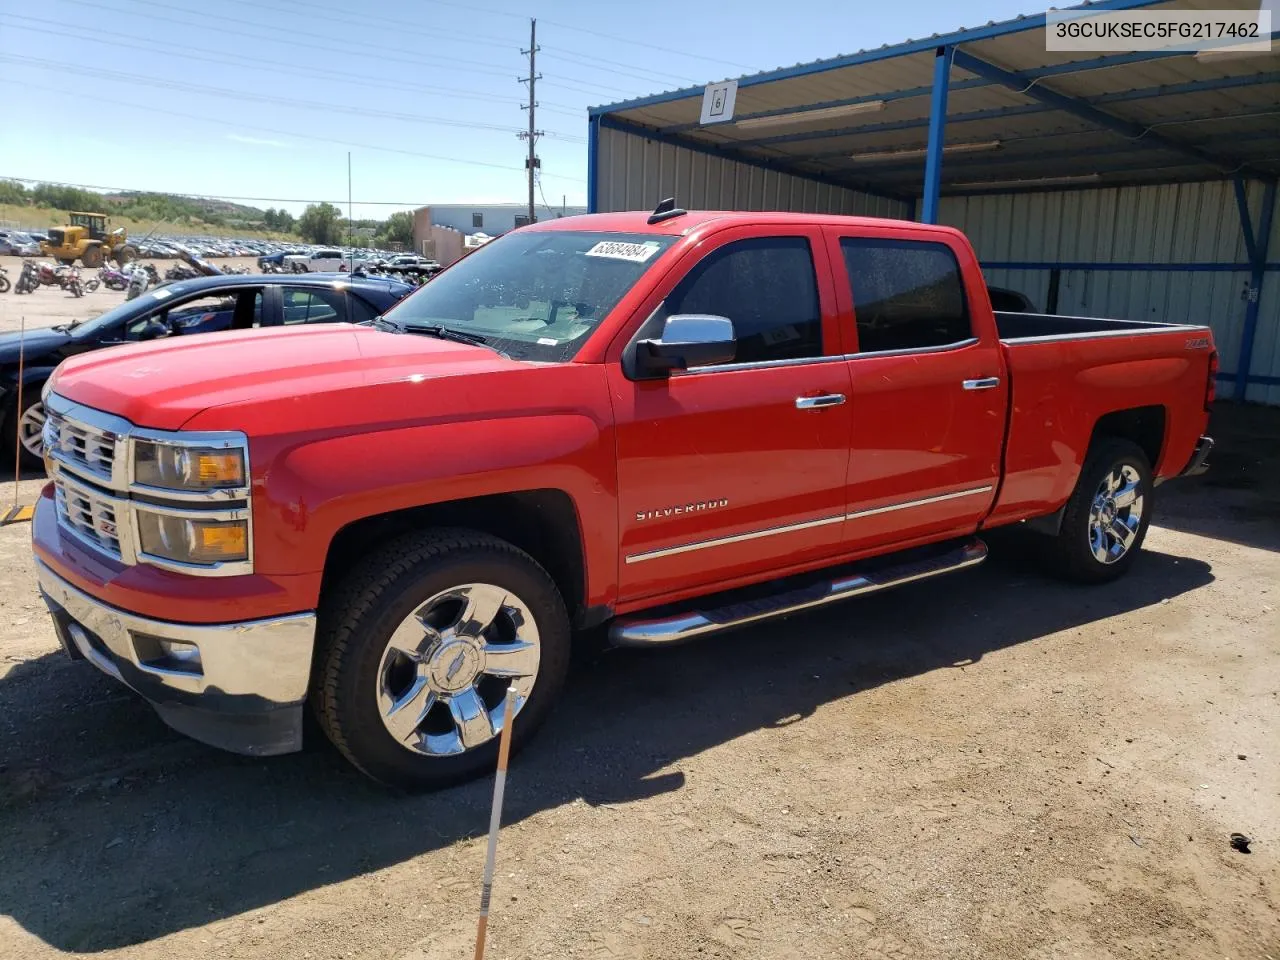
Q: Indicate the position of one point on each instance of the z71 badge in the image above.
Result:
(1198, 343)
(683, 508)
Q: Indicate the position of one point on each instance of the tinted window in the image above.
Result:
(361, 310)
(906, 294)
(767, 288)
(313, 305)
(477, 221)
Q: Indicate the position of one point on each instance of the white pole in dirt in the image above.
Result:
(495, 819)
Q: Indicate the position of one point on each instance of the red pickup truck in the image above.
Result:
(661, 425)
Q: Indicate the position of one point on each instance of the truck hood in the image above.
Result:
(165, 383)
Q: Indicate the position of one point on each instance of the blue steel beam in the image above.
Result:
(1262, 239)
(937, 133)
(1135, 131)
(1246, 221)
(593, 162)
(988, 32)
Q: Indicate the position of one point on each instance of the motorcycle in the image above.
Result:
(4, 280)
(28, 279)
(68, 279)
(141, 277)
(181, 271)
(112, 279)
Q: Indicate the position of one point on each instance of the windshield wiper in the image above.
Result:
(386, 323)
(448, 333)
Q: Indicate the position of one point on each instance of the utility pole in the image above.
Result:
(532, 163)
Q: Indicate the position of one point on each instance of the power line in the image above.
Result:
(595, 33)
(400, 27)
(206, 196)
(222, 92)
(238, 125)
(613, 67)
(257, 64)
(381, 54)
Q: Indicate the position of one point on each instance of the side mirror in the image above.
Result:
(688, 340)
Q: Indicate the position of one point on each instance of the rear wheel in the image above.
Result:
(1106, 519)
(126, 253)
(418, 647)
(92, 257)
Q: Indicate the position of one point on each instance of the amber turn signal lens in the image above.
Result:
(221, 540)
(218, 468)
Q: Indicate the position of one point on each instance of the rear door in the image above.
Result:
(731, 470)
(927, 394)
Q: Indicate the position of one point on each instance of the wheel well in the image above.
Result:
(542, 523)
(1143, 425)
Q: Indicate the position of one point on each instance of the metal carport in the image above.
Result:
(1135, 184)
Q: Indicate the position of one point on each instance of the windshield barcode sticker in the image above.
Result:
(616, 250)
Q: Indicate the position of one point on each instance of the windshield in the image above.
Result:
(534, 295)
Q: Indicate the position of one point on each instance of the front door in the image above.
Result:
(724, 471)
(928, 398)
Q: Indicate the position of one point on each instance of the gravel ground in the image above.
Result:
(993, 765)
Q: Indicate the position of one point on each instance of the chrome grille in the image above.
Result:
(88, 513)
(80, 445)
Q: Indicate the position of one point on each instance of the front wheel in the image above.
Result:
(4, 284)
(1106, 519)
(418, 647)
(26, 426)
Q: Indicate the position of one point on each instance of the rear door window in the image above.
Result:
(767, 287)
(907, 294)
(314, 305)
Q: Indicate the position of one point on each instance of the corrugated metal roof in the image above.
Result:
(1227, 109)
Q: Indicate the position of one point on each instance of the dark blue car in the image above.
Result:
(202, 305)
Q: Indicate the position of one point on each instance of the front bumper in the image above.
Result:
(238, 686)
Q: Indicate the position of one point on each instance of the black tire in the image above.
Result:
(359, 615)
(8, 435)
(126, 253)
(91, 258)
(1071, 552)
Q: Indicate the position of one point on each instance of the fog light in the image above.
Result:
(180, 651)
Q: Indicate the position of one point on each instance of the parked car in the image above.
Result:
(318, 261)
(671, 425)
(201, 305)
(15, 243)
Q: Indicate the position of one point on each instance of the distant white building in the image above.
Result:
(443, 231)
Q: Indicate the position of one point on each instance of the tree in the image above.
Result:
(321, 223)
(397, 228)
(280, 219)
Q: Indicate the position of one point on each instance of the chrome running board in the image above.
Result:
(678, 627)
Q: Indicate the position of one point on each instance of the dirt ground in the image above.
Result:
(993, 765)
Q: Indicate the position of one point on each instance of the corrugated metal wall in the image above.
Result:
(1162, 229)
(634, 173)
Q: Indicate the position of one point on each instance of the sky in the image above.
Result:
(263, 99)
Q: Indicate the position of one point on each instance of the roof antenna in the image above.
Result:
(666, 210)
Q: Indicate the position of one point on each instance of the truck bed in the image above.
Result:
(1065, 374)
(1038, 326)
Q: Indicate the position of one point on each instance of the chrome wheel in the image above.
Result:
(446, 669)
(31, 430)
(1116, 514)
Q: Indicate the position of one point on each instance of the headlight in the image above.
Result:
(187, 539)
(173, 466)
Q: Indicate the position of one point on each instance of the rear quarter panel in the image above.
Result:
(1061, 388)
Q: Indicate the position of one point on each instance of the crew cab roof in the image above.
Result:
(637, 221)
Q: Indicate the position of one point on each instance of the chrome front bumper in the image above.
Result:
(238, 686)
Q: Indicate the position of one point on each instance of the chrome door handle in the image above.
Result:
(982, 383)
(817, 403)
